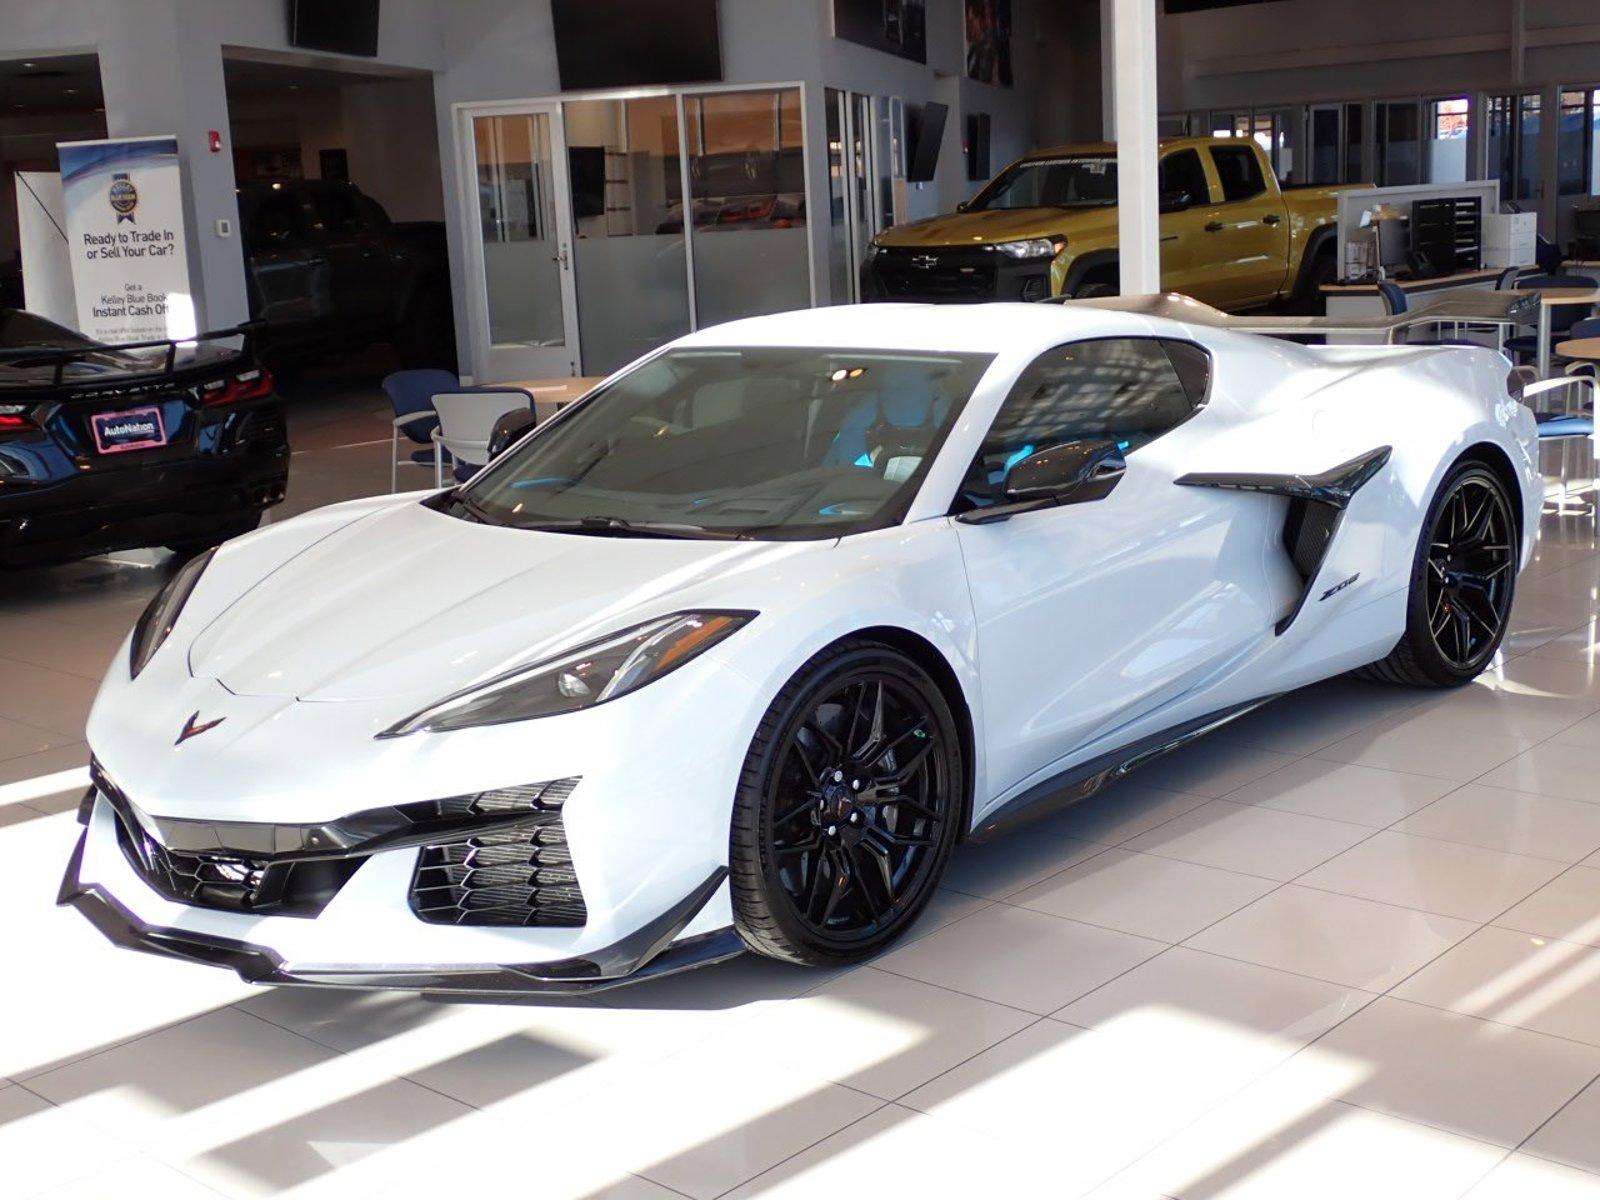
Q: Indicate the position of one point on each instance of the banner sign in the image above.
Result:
(130, 268)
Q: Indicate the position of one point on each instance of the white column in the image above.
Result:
(1133, 35)
(1108, 74)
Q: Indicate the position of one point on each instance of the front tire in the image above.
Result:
(847, 809)
(1463, 581)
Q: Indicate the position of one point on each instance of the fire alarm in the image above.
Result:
(214, 137)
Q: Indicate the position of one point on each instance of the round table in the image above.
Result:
(1587, 349)
(1550, 298)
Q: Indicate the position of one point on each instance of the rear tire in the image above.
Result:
(847, 808)
(1463, 581)
(1094, 289)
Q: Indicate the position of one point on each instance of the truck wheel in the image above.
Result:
(1093, 289)
(1309, 301)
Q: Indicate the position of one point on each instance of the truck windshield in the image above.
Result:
(761, 443)
(1076, 181)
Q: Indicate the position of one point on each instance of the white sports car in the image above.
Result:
(733, 652)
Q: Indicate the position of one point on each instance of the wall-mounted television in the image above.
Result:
(924, 134)
(338, 26)
(632, 43)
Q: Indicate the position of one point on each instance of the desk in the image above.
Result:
(1553, 298)
(1586, 349)
(1361, 300)
(550, 396)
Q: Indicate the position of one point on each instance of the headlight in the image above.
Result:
(1034, 247)
(581, 678)
(162, 613)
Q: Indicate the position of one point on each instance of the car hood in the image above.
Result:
(987, 228)
(411, 603)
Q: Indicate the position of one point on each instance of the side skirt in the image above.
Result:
(1078, 783)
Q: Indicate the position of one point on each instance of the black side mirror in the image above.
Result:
(509, 430)
(1070, 473)
(1172, 202)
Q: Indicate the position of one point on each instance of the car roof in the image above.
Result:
(964, 328)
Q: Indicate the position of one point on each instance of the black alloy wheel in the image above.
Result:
(1471, 569)
(1463, 581)
(848, 807)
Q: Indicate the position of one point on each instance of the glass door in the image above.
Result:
(1448, 124)
(524, 326)
(1326, 149)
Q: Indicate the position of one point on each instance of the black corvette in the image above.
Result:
(178, 444)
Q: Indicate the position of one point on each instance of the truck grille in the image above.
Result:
(938, 274)
(516, 876)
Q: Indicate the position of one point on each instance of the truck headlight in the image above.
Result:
(1034, 247)
(580, 678)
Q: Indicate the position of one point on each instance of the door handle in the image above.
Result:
(1215, 226)
(1271, 219)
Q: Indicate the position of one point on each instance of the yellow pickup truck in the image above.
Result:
(1047, 226)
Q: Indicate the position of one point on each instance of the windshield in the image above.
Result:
(1075, 181)
(765, 443)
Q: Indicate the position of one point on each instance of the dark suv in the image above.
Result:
(327, 270)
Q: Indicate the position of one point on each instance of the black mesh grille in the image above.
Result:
(520, 876)
(236, 884)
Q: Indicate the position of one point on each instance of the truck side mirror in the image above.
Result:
(1172, 202)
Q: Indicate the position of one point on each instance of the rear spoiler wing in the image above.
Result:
(60, 358)
(1479, 307)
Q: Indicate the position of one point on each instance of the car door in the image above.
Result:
(283, 264)
(1093, 614)
(1249, 235)
(358, 269)
(1184, 241)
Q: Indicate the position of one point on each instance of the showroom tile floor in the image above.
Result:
(1348, 947)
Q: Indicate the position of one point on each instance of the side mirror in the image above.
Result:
(1172, 202)
(1070, 473)
(509, 430)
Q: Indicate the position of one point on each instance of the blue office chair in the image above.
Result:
(1561, 319)
(411, 395)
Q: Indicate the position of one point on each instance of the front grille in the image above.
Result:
(516, 875)
(940, 273)
(232, 883)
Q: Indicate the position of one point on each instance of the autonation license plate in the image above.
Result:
(133, 429)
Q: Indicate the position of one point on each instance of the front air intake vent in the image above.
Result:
(516, 875)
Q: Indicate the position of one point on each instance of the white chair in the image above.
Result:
(466, 423)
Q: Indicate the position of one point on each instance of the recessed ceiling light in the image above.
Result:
(294, 87)
(70, 91)
(30, 65)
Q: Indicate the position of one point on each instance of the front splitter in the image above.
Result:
(648, 953)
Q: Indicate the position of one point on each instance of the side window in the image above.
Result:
(1182, 172)
(1126, 389)
(274, 224)
(336, 212)
(1240, 171)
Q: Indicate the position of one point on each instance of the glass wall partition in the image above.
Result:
(1355, 144)
(1447, 123)
(1398, 126)
(747, 175)
(627, 208)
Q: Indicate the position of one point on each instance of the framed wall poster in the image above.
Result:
(898, 27)
(989, 41)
